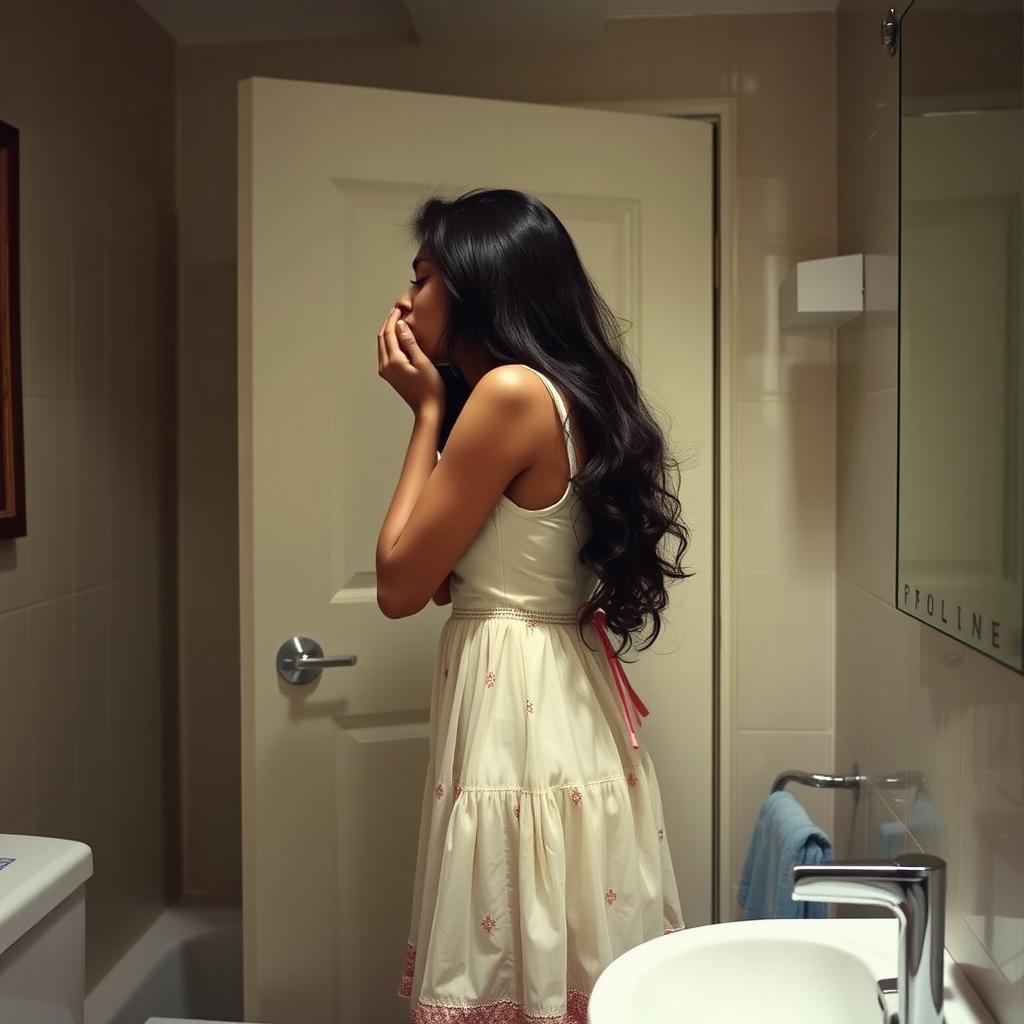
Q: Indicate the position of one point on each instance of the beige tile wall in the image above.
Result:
(906, 696)
(87, 599)
(780, 69)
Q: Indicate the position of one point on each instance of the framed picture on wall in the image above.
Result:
(12, 441)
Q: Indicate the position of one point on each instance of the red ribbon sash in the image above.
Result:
(621, 679)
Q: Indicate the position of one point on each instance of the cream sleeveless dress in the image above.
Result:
(542, 849)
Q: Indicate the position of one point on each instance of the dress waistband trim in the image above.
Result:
(512, 612)
(627, 695)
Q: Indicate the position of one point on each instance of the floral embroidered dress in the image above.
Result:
(542, 849)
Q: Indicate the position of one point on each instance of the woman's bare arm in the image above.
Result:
(444, 592)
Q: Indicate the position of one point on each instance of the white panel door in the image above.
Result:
(333, 772)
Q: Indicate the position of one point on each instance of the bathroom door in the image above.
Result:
(333, 772)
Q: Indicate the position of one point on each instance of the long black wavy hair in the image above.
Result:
(519, 291)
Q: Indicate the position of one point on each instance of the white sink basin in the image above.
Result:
(769, 971)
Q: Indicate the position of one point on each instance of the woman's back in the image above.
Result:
(527, 557)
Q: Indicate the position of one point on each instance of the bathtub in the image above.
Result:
(188, 964)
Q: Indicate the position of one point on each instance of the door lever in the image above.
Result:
(300, 661)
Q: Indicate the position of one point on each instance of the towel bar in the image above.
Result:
(818, 780)
(896, 780)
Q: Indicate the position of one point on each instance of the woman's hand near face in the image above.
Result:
(403, 364)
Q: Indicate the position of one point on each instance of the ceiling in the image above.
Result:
(193, 21)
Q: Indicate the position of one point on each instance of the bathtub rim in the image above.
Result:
(173, 926)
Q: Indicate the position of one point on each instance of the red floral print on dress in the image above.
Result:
(408, 969)
(575, 796)
(610, 896)
(439, 791)
(488, 924)
(458, 788)
(631, 779)
(529, 706)
(490, 679)
(502, 1012)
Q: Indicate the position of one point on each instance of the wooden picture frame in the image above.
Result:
(12, 438)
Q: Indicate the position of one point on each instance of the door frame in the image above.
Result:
(720, 112)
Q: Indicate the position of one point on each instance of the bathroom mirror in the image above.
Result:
(12, 457)
(961, 360)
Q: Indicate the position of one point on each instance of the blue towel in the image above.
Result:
(890, 838)
(783, 836)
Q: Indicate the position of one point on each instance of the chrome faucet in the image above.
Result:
(913, 887)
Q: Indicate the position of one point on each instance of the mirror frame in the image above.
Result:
(13, 521)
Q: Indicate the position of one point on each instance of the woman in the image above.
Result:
(542, 851)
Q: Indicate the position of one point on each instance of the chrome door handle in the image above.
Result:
(300, 661)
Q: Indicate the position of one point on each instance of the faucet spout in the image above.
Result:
(913, 887)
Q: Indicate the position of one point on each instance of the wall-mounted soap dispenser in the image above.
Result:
(827, 293)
